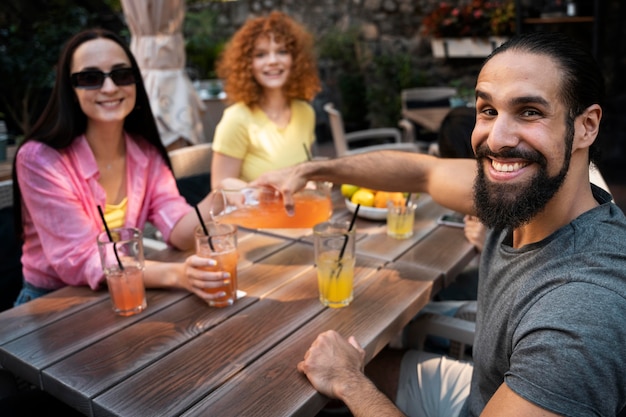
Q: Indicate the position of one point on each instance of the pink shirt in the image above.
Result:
(61, 188)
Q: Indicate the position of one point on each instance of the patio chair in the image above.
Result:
(346, 143)
(423, 97)
(192, 169)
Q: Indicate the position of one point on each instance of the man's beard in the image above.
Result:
(501, 206)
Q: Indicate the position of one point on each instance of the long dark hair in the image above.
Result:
(582, 81)
(62, 120)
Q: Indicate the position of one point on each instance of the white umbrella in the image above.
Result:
(158, 45)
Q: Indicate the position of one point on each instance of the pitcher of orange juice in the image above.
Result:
(263, 208)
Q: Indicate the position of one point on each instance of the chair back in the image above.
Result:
(191, 160)
(6, 193)
(413, 98)
(337, 129)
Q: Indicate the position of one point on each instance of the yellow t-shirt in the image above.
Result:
(248, 134)
(115, 214)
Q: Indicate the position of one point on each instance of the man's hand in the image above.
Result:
(287, 181)
(333, 363)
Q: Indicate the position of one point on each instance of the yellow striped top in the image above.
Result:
(115, 214)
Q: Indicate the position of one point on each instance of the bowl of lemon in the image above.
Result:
(373, 203)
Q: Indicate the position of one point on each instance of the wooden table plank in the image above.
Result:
(378, 244)
(42, 311)
(446, 250)
(188, 374)
(118, 356)
(393, 295)
(28, 355)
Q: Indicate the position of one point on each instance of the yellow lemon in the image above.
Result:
(347, 190)
(363, 197)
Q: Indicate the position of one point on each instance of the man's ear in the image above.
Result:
(587, 126)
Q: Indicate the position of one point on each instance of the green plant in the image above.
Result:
(30, 44)
(202, 46)
(339, 49)
(387, 75)
(475, 18)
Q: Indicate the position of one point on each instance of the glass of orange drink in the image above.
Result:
(219, 244)
(123, 263)
(335, 246)
(263, 208)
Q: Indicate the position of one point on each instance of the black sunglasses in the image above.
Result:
(93, 79)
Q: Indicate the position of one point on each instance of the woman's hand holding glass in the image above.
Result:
(196, 279)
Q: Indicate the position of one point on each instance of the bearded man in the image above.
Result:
(550, 337)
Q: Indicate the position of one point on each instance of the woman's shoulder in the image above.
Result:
(238, 110)
(36, 150)
(301, 106)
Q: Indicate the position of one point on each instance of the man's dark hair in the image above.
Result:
(582, 81)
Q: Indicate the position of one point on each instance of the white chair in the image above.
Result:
(191, 160)
(345, 142)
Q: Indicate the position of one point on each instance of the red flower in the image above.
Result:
(476, 18)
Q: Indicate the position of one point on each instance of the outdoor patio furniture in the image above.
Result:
(347, 143)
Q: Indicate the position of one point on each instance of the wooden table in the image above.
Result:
(183, 358)
(428, 117)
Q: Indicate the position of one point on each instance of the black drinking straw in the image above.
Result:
(408, 200)
(106, 227)
(306, 150)
(345, 241)
(206, 232)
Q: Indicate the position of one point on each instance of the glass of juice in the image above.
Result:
(221, 245)
(335, 258)
(123, 263)
(400, 219)
(263, 208)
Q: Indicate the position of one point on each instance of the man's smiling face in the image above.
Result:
(522, 138)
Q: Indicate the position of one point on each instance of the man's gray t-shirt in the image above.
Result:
(551, 320)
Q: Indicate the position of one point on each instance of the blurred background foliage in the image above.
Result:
(363, 83)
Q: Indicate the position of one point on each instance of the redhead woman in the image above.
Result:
(270, 75)
(97, 144)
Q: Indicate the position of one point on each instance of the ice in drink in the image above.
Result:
(335, 279)
(127, 291)
(335, 244)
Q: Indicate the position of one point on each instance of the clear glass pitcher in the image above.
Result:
(263, 208)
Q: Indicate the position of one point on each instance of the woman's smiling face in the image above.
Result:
(271, 63)
(110, 102)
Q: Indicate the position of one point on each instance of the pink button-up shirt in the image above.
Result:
(60, 198)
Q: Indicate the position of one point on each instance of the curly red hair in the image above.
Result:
(235, 63)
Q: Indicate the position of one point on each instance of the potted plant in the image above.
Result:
(469, 28)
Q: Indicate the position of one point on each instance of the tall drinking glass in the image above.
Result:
(335, 246)
(221, 245)
(123, 264)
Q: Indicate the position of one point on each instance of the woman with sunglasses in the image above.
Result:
(270, 75)
(97, 144)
